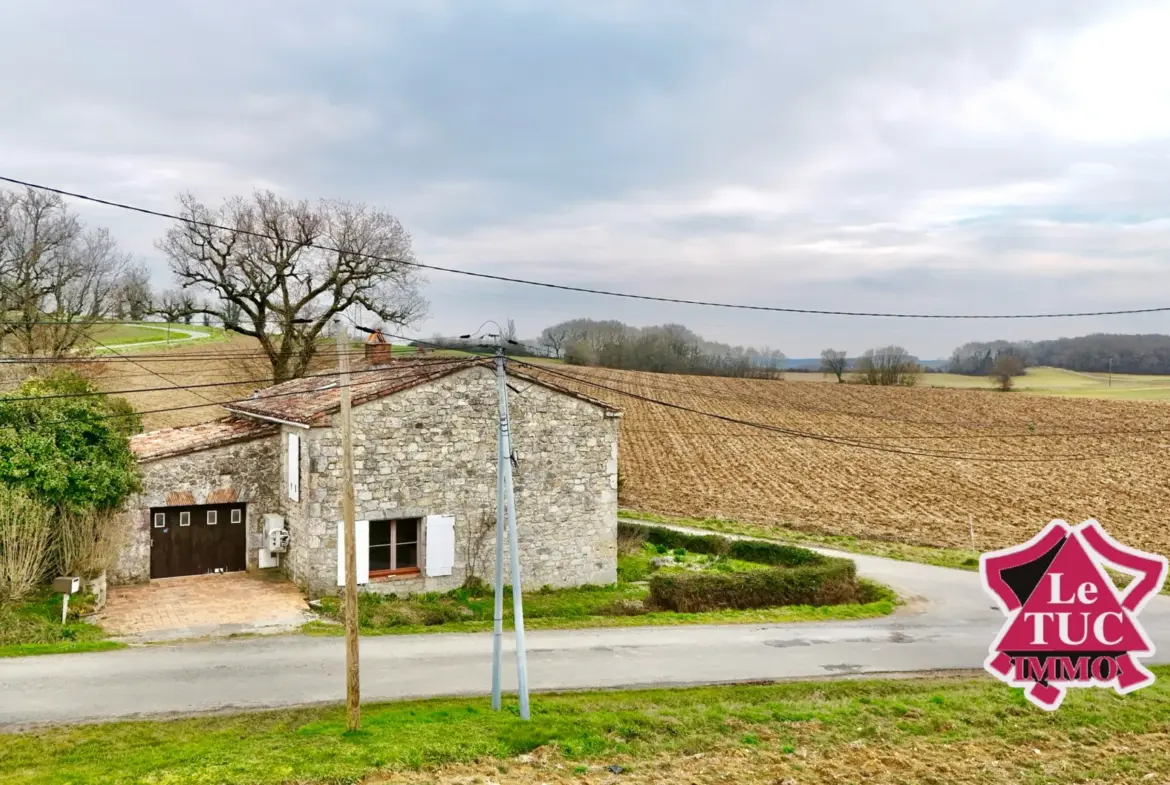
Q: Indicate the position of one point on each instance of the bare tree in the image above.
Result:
(1003, 374)
(134, 296)
(555, 338)
(175, 305)
(889, 366)
(834, 361)
(229, 313)
(56, 278)
(287, 292)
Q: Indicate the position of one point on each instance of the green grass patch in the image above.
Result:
(954, 558)
(619, 605)
(957, 558)
(34, 627)
(809, 721)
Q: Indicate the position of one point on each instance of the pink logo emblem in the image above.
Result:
(1067, 624)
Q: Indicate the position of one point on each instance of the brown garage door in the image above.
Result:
(198, 539)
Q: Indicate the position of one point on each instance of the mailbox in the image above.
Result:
(67, 585)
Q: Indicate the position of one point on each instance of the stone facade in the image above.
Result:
(431, 450)
(244, 471)
(426, 450)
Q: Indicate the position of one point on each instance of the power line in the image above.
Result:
(456, 362)
(580, 289)
(845, 442)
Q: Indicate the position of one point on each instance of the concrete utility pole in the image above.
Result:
(498, 575)
(506, 501)
(353, 711)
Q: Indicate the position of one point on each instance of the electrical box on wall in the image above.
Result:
(275, 541)
(278, 540)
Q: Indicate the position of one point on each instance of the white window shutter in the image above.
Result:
(294, 467)
(362, 538)
(440, 545)
(362, 541)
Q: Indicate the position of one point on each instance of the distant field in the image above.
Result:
(928, 466)
(1044, 381)
(227, 357)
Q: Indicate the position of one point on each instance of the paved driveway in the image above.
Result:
(198, 605)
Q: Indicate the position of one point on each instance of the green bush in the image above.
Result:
(665, 540)
(830, 582)
(68, 452)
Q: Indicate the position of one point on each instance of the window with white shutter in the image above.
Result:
(440, 541)
(294, 467)
(362, 546)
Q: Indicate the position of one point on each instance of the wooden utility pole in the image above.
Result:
(353, 711)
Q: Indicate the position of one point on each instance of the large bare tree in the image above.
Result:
(56, 277)
(273, 286)
(134, 296)
(835, 362)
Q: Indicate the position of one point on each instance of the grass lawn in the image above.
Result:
(956, 730)
(618, 605)
(955, 558)
(34, 627)
(154, 333)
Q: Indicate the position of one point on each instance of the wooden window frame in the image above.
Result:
(160, 520)
(212, 517)
(237, 515)
(185, 515)
(393, 546)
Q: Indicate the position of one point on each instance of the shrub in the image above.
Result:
(830, 582)
(633, 568)
(25, 529)
(67, 452)
(772, 553)
(630, 540)
(87, 543)
(625, 607)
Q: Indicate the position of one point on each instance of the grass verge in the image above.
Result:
(34, 627)
(939, 729)
(577, 608)
(956, 558)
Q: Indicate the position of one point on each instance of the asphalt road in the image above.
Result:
(949, 626)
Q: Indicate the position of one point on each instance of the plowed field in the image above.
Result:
(918, 465)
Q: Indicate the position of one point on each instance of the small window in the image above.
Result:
(184, 519)
(237, 516)
(160, 520)
(394, 546)
(212, 517)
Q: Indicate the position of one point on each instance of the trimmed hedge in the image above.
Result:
(833, 582)
(745, 550)
(799, 577)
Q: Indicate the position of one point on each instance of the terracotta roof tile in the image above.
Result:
(169, 442)
(310, 401)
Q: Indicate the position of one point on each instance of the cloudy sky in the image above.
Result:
(906, 155)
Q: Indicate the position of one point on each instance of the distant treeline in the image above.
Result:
(1093, 353)
(668, 348)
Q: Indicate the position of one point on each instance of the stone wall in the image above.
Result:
(431, 450)
(295, 563)
(245, 471)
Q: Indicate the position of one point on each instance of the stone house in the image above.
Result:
(261, 486)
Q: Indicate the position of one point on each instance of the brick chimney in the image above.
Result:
(378, 349)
